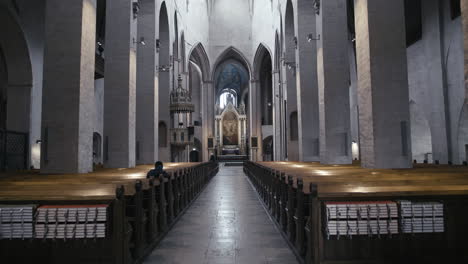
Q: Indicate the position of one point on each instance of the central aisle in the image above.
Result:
(226, 224)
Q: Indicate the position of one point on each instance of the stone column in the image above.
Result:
(291, 103)
(255, 122)
(383, 84)
(216, 130)
(333, 83)
(307, 87)
(68, 93)
(438, 114)
(353, 101)
(208, 115)
(147, 109)
(277, 124)
(120, 82)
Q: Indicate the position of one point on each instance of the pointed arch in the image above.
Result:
(289, 43)
(278, 49)
(183, 57)
(199, 57)
(15, 50)
(231, 53)
(17, 76)
(164, 35)
(231, 60)
(175, 49)
(260, 54)
(263, 73)
(164, 81)
(289, 32)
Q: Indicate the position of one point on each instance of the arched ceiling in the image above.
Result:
(231, 74)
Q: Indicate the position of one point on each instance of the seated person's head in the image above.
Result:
(158, 165)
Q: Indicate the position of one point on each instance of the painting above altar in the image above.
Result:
(230, 129)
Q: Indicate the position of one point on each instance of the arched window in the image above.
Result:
(162, 135)
(293, 127)
(228, 96)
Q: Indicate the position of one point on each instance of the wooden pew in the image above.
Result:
(138, 209)
(311, 186)
(118, 249)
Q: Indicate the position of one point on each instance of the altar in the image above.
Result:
(231, 130)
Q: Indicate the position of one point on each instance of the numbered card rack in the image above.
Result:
(421, 217)
(16, 221)
(53, 222)
(383, 218)
(71, 222)
(347, 219)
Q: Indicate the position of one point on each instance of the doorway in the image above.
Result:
(194, 156)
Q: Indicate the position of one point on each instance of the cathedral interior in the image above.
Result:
(290, 131)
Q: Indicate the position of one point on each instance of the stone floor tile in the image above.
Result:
(225, 225)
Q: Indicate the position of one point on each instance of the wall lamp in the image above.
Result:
(141, 41)
(158, 45)
(164, 68)
(311, 37)
(100, 47)
(290, 65)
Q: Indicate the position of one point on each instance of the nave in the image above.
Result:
(226, 224)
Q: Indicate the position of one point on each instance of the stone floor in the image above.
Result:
(226, 224)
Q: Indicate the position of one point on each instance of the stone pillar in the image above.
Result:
(353, 101)
(432, 47)
(277, 123)
(291, 104)
(147, 109)
(255, 122)
(307, 90)
(120, 82)
(68, 93)
(216, 130)
(208, 115)
(333, 83)
(383, 84)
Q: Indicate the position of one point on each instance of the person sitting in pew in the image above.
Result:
(158, 170)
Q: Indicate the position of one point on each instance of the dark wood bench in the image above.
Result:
(298, 196)
(140, 210)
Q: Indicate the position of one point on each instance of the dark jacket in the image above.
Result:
(156, 172)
